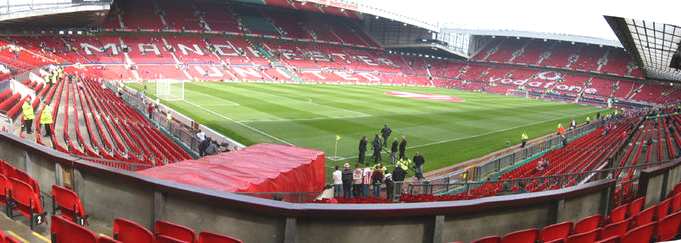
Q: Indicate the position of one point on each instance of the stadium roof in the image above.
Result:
(653, 45)
(536, 35)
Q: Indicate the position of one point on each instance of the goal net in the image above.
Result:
(170, 90)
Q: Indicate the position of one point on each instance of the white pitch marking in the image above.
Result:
(240, 123)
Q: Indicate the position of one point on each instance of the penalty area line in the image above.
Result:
(240, 123)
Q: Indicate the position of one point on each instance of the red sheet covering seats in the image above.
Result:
(258, 168)
(63, 230)
(207, 237)
(27, 202)
(127, 231)
(164, 229)
(68, 204)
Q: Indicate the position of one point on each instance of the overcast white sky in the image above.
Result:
(576, 17)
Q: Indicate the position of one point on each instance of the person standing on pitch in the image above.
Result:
(29, 115)
(376, 144)
(362, 149)
(418, 165)
(385, 132)
(393, 151)
(403, 148)
(523, 139)
(346, 177)
(337, 182)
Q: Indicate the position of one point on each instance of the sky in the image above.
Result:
(575, 17)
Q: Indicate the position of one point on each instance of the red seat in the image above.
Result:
(636, 205)
(529, 236)
(614, 239)
(588, 224)
(10, 239)
(69, 205)
(105, 239)
(175, 231)
(668, 227)
(676, 203)
(22, 176)
(207, 237)
(127, 231)
(27, 202)
(588, 237)
(65, 231)
(663, 208)
(556, 231)
(168, 239)
(618, 214)
(646, 216)
(5, 188)
(614, 229)
(641, 234)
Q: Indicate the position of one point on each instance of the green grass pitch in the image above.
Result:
(311, 116)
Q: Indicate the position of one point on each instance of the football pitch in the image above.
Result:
(446, 126)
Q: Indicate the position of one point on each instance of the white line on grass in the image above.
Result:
(240, 123)
(304, 119)
(469, 137)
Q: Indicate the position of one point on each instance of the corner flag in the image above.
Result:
(338, 137)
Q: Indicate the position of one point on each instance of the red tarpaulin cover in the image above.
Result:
(258, 168)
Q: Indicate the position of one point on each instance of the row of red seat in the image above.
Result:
(628, 223)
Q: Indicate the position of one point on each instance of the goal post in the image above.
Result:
(170, 89)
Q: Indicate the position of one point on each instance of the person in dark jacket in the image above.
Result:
(389, 186)
(393, 151)
(376, 144)
(377, 179)
(362, 149)
(347, 181)
(385, 132)
(403, 148)
(398, 176)
(418, 165)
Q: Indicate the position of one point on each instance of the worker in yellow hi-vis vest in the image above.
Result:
(523, 139)
(29, 115)
(46, 120)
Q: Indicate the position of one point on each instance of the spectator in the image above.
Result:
(573, 124)
(377, 179)
(357, 181)
(393, 151)
(337, 182)
(389, 186)
(385, 132)
(521, 187)
(46, 120)
(212, 148)
(418, 165)
(588, 120)
(541, 165)
(150, 110)
(29, 115)
(346, 177)
(403, 148)
(523, 139)
(366, 180)
(204, 145)
(398, 175)
(563, 140)
(362, 149)
(560, 130)
(169, 119)
(376, 144)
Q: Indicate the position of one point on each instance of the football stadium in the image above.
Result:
(211, 121)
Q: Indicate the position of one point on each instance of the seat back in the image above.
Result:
(618, 214)
(175, 231)
(663, 208)
(5, 187)
(614, 239)
(587, 237)
(65, 231)
(207, 237)
(10, 239)
(640, 234)
(127, 231)
(645, 216)
(25, 198)
(676, 203)
(168, 239)
(22, 176)
(636, 206)
(528, 235)
(104, 239)
(668, 227)
(588, 224)
(615, 229)
(68, 203)
(556, 231)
